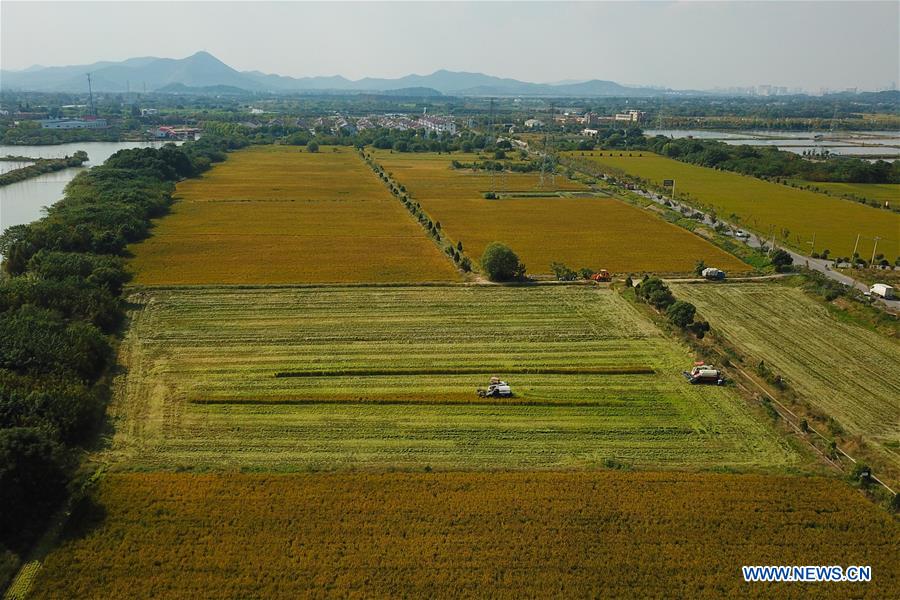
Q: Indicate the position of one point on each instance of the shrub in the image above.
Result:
(562, 272)
(312, 146)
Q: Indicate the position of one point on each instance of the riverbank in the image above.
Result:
(41, 166)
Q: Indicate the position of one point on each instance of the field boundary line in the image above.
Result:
(812, 429)
(624, 370)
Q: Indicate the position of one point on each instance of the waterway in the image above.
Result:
(862, 144)
(24, 201)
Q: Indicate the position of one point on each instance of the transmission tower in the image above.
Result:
(492, 138)
(547, 170)
(91, 96)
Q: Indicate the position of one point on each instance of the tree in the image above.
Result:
(562, 272)
(681, 313)
(698, 268)
(781, 259)
(500, 263)
(32, 479)
(656, 293)
(312, 147)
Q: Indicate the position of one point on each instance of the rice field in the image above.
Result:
(767, 207)
(848, 372)
(580, 231)
(281, 215)
(461, 535)
(332, 377)
(879, 192)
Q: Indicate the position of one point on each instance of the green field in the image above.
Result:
(387, 378)
(880, 192)
(766, 207)
(848, 372)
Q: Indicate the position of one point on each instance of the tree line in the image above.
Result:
(42, 166)
(60, 311)
(767, 162)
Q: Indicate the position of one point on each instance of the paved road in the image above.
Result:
(816, 264)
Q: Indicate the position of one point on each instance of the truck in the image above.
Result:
(883, 290)
(713, 273)
(601, 275)
(496, 389)
(702, 373)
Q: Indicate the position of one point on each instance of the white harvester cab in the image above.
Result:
(704, 374)
(496, 389)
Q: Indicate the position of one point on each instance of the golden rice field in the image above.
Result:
(460, 535)
(578, 231)
(278, 214)
(385, 377)
(848, 372)
(764, 207)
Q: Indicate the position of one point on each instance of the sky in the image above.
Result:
(683, 45)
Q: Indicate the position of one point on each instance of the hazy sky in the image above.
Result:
(676, 44)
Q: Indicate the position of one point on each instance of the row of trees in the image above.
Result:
(769, 162)
(60, 308)
(42, 166)
(657, 294)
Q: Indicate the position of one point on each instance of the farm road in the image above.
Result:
(816, 264)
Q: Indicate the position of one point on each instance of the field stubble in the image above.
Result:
(201, 387)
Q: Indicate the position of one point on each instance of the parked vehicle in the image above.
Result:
(741, 234)
(713, 273)
(883, 290)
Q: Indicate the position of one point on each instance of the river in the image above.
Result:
(24, 201)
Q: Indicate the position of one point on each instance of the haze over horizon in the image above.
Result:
(646, 43)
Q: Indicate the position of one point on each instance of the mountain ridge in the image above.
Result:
(202, 70)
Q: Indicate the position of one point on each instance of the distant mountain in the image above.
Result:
(204, 73)
(206, 90)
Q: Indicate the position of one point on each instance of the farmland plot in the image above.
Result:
(500, 535)
(578, 231)
(850, 373)
(336, 377)
(276, 214)
(767, 207)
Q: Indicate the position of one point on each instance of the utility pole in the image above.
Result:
(855, 246)
(812, 250)
(874, 248)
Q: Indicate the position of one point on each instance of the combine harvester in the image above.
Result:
(602, 275)
(496, 389)
(704, 374)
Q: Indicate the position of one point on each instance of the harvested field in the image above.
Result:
(761, 205)
(386, 377)
(848, 372)
(276, 214)
(502, 535)
(578, 231)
